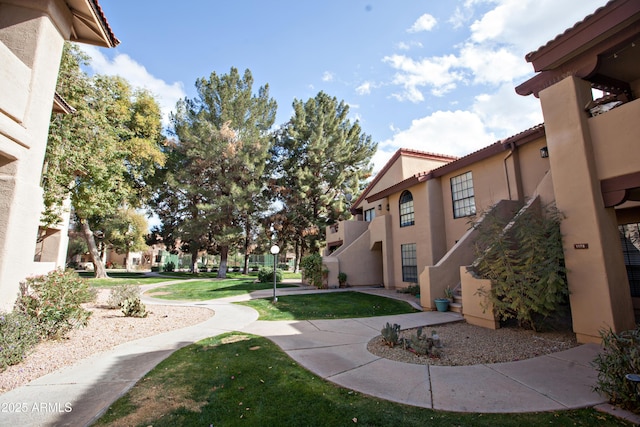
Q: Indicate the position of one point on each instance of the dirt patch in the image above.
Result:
(151, 401)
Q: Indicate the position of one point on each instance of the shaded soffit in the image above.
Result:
(602, 49)
(89, 24)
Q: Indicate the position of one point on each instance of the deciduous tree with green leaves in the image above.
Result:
(126, 232)
(102, 155)
(214, 183)
(323, 159)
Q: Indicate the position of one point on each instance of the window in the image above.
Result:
(464, 202)
(409, 263)
(369, 214)
(406, 209)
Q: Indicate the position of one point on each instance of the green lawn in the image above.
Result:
(230, 275)
(336, 305)
(202, 290)
(243, 380)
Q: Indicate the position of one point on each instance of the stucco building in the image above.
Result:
(413, 219)
(32, 35)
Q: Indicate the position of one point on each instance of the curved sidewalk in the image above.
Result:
(334, 349)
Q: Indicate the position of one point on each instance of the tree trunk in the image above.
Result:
(98, 266)
(194, 262)
(246, 249)
(224, 254)
(126, 259)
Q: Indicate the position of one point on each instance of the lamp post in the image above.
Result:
(275, 250)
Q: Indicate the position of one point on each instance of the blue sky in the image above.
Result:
(437, 76)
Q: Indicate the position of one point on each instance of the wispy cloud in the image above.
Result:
(327, 76)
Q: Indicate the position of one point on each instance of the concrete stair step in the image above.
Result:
(455, 307)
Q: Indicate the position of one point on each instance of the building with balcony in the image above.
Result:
(413, 220)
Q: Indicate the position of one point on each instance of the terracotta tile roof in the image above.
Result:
(517, 140)
(105, 23)
(396, 155)
(531, 55)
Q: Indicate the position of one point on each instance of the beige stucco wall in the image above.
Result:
(614, 137)
(598, 285)
(30, 48)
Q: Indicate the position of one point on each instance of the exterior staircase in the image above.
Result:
(456, 304)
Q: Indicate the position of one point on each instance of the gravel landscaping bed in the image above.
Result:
(106, 329)
(465, 344)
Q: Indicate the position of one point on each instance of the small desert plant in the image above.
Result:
(391, 334)
(133, 307)
(18, 334)
(448, 293)
(421, 344)
(265, 275)
(54, 301)
(120, 293)
(621, 356)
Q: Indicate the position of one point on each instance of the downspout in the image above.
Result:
(506, 170)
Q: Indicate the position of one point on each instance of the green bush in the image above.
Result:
(133, 307)
(54, 301)
(621, 356)
(121, 293)
(265, 275)
(525, 264)
(283, 266)
(18, 334)
(311, 266)
(170, 266)
(411, 289)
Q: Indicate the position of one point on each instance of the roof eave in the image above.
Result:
(90, 25)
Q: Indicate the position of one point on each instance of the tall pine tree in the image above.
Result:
(212, 187)
(323, 159)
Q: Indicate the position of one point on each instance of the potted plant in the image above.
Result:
(342, 279)
(442, 304)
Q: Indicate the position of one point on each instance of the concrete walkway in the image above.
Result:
(334, 349)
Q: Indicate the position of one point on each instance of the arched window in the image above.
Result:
(406, 209)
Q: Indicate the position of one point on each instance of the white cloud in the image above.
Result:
(494, 52)
(456, 133)
(408, 45)
(436, 73)
(506, 113)
(137, 75)
(528, 24)
(425, 23)
(492, 66)
(364, 88)
(327, 76)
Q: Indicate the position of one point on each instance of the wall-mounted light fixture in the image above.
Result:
(387, 206)
(379, 207)
(544, 152)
